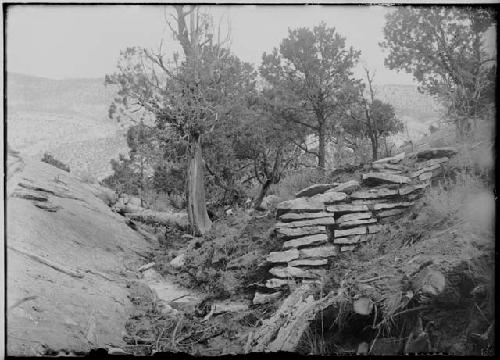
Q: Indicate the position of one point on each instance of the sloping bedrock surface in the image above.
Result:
(67, 270)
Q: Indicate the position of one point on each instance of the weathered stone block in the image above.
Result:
(299, 205)
(319, 252)
(283, 256)
(308, 262)
(411, 189)
(392, 212)
(306, 241)
(290, 233)
(303, 216)
(374, 194)
(346, 208)
(348, 224)
(424, 170)
(394, 159)
(385, 206)
(314, 190)
(330, 197)
(312, 222)
(349, 240)
(354, 231)
(384, 178)
(347, 187)
(354, 216)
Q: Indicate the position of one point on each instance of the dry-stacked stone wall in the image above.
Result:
(327, 219)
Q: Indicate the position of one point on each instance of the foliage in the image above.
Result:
(309, 73)
(443, 47)
(50, 159)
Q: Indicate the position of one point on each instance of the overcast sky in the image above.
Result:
(85, 41)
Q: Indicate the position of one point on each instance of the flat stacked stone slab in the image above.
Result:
(318, 252)
(346, 208)
(324, 221)
(392, 212)
(384, 178)
(299, 205)
(347, 232)
(436, 153)
(348, 187)
(429, 168)
(349, 240)
(312, 240)
(393, 160)
(314, 190)
(296, 272)
(288, 217)
(283, 256)
(329, 197)
(406, 190)
(354, 216)
(353, 223)
(388, 166)
(290, 233)
(374, 194)
(308, 262)
(377, 207)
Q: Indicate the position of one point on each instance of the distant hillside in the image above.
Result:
(59, 116)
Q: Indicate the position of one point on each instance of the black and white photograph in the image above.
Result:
(227, 179)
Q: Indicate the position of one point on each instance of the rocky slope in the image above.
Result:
(69, 261)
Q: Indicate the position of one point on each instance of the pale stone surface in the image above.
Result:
(353, 223)
(178, 261)
(283, 256)
(355, 216)
(314, 190)
(308, 262)
(306, 241)
(312, 222)
(319, 252)
(436, 153)
(290, 233)
(330, 197)
(426, 176)
(411, 188)
(295, 272)
(377, 207)
(369, 201)
(354, 231)
(303, 216)
(392, 212)
(347, 240)
(300, 205)
(394, 159)
(346, 208)
(261, 298)
(347, 187)
(374, 194)
(372, 229)
(384, 178)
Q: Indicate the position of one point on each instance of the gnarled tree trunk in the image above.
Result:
(197, 210)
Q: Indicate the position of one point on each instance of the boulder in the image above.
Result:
(354, 231)
(394, 159)
(395, 205)
(347, 240)
(330, 197)
(348, 224)
(261, 298)
(347, 187)
(290, 233)
(392, 212)
(314, 190)
(295, 272)
(405, 190)
(436, 153)
(306, 241)
(308, 262)
(277, 283)
(312, 222)
(384, 178)
(178, 261)
(318, 252)
(300, 205)
(283, 256)
(374, 194)
(269, 202)
(346, 208)
(354, 216)
(303, 216)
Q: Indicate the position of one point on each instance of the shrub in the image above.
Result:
(49, 159)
